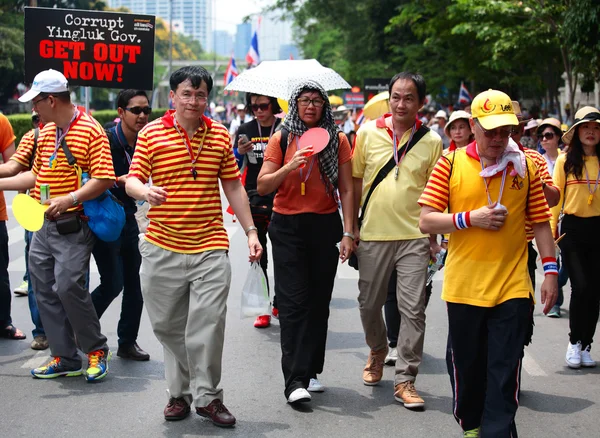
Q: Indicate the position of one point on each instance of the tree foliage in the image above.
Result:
(521, 46)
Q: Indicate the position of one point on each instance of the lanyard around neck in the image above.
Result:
(395, 146)
(260, 130)
(61, 137)
(188, 146)
(487, 184)
(587, 177)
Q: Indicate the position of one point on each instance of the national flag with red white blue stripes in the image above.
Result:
(231, 72)
(463, 95)
(253, 57)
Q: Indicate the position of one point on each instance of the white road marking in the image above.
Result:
(531, 366)
(16, 235)
(38, 359)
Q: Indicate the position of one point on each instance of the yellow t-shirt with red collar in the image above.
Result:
(191, 219)
(88, 144)
(485, 268)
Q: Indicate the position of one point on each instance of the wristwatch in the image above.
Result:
(251, 228)
(347, 234)
(75, 200)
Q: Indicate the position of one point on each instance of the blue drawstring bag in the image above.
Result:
(106, 216)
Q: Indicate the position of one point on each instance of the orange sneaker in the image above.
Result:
(373, 371)
(406, 394)
(262, 321)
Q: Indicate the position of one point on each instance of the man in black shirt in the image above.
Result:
(249, 146)
(119, 262)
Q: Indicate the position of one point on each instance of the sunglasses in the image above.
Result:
(260, 106)
(137, 110)
(547, 136)
(491, 133)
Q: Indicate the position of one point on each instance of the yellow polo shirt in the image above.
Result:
(485, 268)
(393, 211)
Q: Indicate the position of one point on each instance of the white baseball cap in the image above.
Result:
(48, 81)
(441, 114)
(240, 107)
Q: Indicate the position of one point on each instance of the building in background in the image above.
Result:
(289, 51)
(275, 38)
(243, 37)
(223, 43)
(193, 17)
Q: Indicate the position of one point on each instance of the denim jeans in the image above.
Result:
(119, 268)
(5, 292)
(38, 329)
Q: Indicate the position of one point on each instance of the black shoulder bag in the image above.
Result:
(383, 172)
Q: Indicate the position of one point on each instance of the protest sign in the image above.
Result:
(374, 86)
(91, 48)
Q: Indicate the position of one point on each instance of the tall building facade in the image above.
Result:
(223, 43)
(243, 36)
(192, 17)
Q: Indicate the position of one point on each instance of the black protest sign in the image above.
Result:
(374, 86)
(91, 48)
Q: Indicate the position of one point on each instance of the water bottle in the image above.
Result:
(85, 177)
(440, 259)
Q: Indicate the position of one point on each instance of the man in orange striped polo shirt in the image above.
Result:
(185, 273)
(490, 190)
(60, 251)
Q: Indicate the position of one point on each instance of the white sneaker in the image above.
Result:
(573, 357)
(315, 386)
(299, 395)
(21, 289)
(586, 358)
(391, 357)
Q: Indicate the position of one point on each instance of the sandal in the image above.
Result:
(11, 332)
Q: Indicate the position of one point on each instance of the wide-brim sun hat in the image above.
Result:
(551, 121)
(584, 115)
(456, 115)
(492, 109)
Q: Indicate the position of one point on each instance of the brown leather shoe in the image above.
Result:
(373, 371)
(176, 409)
(217, 413)
(133, 352)
(406, 394)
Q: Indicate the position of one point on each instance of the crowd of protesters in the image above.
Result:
(391, 195)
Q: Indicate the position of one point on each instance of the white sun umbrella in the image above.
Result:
(279, 78)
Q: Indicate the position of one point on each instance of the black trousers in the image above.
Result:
(5, 293)
(580, 250)
(305, 258)
(392, 314)
(261, 221)
(485, 347)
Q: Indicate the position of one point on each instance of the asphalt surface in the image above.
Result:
(555, 401)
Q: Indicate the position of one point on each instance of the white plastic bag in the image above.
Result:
(255, 294)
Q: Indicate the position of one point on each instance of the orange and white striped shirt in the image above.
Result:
(89, 145)
(25, 149)
(191, 219)
(542, 167)
(485, 268)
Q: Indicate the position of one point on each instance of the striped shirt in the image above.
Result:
(25, 149)
(485, 268)
(87, 142)
(191, 219)
(545, 176)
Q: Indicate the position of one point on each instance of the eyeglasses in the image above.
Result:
(547, 136)
(260, 106)
(491, 133)
(35, 102)
(305, 101)
(190, 98)
(137, 110)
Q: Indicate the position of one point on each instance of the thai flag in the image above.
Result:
(463, 95)
(361, 118)
(253, 57)
(231, 71)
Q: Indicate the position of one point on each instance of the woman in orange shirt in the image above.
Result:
(305, 230)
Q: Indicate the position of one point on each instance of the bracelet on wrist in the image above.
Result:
(347, 234)
(251, 228)
(462, 220)
(74, 197)
(550, 266)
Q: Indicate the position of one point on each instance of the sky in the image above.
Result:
(231, 12)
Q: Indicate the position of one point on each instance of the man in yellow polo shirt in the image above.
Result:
(185, 273)
(390, 239)
(490, 189)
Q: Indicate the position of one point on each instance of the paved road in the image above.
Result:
(555, 402)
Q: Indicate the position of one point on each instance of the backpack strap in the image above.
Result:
(70, 158)
(284, 143)
(36, 134)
